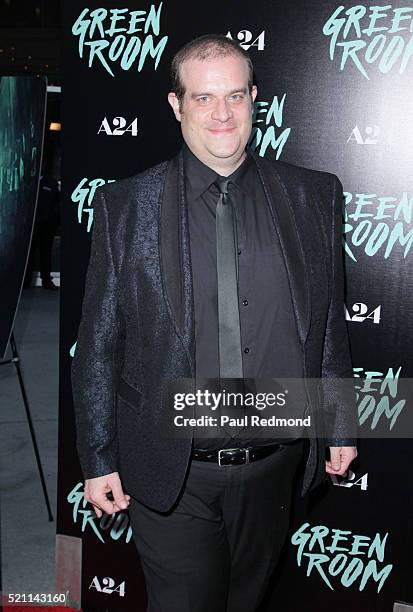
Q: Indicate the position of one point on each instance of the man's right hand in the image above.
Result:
(96, 490)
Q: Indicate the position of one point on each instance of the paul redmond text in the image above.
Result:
(245, 421)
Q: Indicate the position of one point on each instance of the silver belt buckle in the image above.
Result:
(222, 450)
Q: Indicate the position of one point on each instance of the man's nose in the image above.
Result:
(222, 110)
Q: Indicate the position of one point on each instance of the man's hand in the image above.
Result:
(96, 490)
(340, 459)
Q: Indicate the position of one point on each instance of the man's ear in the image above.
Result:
(254, 92)
(174, 102)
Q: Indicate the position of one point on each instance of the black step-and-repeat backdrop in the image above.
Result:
(334, 93)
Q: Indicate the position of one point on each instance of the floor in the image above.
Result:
(27, 536)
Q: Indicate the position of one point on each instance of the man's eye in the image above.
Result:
(237, 97)
(203, 99)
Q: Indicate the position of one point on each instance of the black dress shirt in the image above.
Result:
(269, 338)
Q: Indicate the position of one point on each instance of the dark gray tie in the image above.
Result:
(230, 357)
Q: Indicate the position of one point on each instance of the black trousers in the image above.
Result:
(216, 550)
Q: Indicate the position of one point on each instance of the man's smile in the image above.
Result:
(227, 130)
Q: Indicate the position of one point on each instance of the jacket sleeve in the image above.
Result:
(339, 401)
(93, 368)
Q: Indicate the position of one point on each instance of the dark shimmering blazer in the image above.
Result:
(137, 325)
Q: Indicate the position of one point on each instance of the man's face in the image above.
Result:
(216, 110)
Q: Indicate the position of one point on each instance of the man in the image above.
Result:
(210, 266)
(46, 224)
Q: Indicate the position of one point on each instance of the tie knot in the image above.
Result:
(222, 183)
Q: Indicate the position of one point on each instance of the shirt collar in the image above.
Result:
(200, 177)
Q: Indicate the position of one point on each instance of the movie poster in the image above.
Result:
(22, 115)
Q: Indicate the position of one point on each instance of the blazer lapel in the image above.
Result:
(175, 256)
(291, 246)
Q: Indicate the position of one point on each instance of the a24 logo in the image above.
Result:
(108, 586)
(351, 481)
(120, 127)
(371, 135)
(245, 38)
(361, 313)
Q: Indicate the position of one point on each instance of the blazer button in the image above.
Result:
(245, 302)
(246, 350)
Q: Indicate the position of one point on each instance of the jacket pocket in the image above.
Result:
(129, 395)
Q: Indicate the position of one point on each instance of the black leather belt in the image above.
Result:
(236, 456)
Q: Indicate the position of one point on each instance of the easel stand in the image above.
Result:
(16, 361)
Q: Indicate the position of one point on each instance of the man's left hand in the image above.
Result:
(340, 459)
